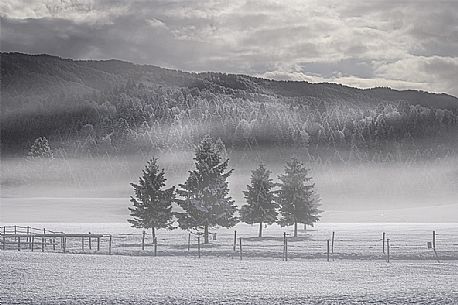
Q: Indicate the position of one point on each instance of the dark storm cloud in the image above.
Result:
(404, 44)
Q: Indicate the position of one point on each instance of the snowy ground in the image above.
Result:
(356, 274)
(37, 278)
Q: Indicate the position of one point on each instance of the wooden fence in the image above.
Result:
(385, 247)
(22, 238)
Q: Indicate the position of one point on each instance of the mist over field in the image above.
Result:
(97, 189)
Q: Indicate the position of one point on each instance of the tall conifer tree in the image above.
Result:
(152, 203)
(260, 198)
(297, 198)
(204, 195)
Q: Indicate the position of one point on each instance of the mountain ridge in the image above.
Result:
(84, 76)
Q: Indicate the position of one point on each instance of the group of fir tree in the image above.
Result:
(205, 201)
(295, 201)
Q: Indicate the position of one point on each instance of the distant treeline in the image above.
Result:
(141, 115)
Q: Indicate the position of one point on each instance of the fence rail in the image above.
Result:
(329, 246)
(32, 238)
(23, 230)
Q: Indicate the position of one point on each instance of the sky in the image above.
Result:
(403, 44)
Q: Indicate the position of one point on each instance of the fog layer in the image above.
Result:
(97, 189)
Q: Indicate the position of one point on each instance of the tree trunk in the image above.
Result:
(206, 235)
(295, 229)
(153, 233)
(260, 229)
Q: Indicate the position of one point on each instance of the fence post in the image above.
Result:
(284, 245)
(98, 243)
(388, 249)
(143, 240)
(198, 245)
(283, 254)
(434, 240)
(240, 245)
(4, 239)
(109, 245)
(33, 240)
(327, 252)
(43, 241)
(189, 242)
(82, 243)
(235, 241)
(434, 246)
(332, 244)
(90, 241)
(64, 241)
(383, 246)
(28, 235)
(19, 243)
(54, 244)
(155, 246)
(286, 248)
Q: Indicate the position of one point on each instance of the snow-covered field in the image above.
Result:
(356, 274)
(37, 278)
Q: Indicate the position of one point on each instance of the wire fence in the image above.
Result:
(438, 246)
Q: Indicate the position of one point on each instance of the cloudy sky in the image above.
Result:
(364, 43)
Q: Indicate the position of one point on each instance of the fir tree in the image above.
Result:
(260, 198)
(205, 199)
(152, 203)
(40, 149)
(297, 198)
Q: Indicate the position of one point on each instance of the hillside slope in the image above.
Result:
(42, 75)
(115, 106)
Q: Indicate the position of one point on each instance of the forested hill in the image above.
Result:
(44, 75)
(118, 107)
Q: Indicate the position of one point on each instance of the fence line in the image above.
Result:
(334, 246)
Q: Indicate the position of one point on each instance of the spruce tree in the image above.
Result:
(297, 198)
(260, 198)
(204, 195)
(152, 203)
(40, 149)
